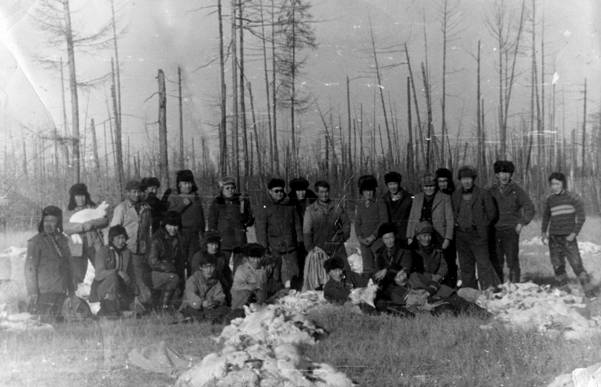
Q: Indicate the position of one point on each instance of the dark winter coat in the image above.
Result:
(108, 262)
(47, 265)
(230, 217)
(483, 208)
(393, 261)
(336, 291)
(301, 205)
(398, 211)
(430, 260)
(158, 208)
(278, 226)
(192, 214)
(165, 252)
(326, 225)
(368, 219)
(514, 206)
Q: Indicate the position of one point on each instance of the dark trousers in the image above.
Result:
(143, 279)
(507, 247)
(560, 249)
(190, 245)
(473, 251)
(450, 257)
(50, 306)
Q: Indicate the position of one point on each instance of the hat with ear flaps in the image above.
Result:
(333, 264)
(367, 183)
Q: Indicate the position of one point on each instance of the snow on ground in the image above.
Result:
(548, 310)
(580, 377)
(264, 349)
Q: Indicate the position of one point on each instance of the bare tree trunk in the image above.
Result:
(429, 107)
(584, 118)
(95, 147)
(223, 96)
(380, 87)
(480, 160)
(73, 88)
(25, 173)
(410, 157)
(443, 129)
(415, 102)
(542, 83)
(235, 135)
(348, 117)
(66, 133)
(243, 94)
(361, 154)
(163, 150)
(181, 118)
(118, 134)
(255, 130)
(267, 99)
(276, 157)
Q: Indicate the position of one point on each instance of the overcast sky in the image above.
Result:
(164, 34)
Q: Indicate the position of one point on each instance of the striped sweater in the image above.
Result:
(563, 214)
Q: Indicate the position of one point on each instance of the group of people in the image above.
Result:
(163, 253)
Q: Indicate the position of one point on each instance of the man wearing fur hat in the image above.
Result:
(434, 206)
(158, 207)
(114, 283)
(188, 204)
(516, 210)
(250, 279)
(83, 249)
(204, 297)
(326, 224)
(279, 230)
(474, 210)
(398, 205)
(166, 258)
(47, 266)
(134, 215)
(390, 260)
(301, 197)
(369, 215)
(230, 215)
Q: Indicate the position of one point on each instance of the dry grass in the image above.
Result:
(374, 351)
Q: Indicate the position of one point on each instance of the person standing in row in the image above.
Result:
(230, 215)
(516, 210)
(47, 266)
(301, 197)
(150, 188)
(434, 207)
(134, 215)
(445, 184)
(83, 248)
(369, 215)
(474, 211)
(563, 218)
(188, 205)
(398, 205)
(279, 230)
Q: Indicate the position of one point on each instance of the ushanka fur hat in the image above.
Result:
(503, 166)
(332, 264)
(367, 183)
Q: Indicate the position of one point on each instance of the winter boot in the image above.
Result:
(585, 282)
(166, 299)
(514, 276)
(561, 279)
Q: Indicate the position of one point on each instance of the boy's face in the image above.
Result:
(443, 183)
(277, 194)
(429, 190)
(151, 190)
(185, 187)
(50, 224)
(388, 240)
(171, 229)
(467, 182)
(504, 177)
(207, 270)
(300, 194)
(323, 194)
(212, 248)
(133, 195)
(367, 195)
(424, 239)
(336, 274)
(80, 200)
(119, 241)
(255, 262)
(556, 186)
(228, 191)
(393, 187)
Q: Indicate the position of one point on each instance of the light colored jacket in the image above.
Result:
(199, 289)
(136, 225)
(443, 219)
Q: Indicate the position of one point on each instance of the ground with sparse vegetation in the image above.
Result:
(373, 351)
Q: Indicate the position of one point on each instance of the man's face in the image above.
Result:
(393, 187)
(429, 190)
(467, 182)
(367, 195)
(443, 183)
(133, 195)
(152, 190)
(50, 224)
(255, 262)
(336, 274)
(185, 187)
(228, 191)
(207, 270)
(212, 248)
(119, 241)
(277, 194)
(80, 200)
(171, 229)
(300, 194)
(424, 239)
(323, 194)
(504, 177)
(556, 186)
(388, 240)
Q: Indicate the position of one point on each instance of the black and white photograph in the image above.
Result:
(300, 193)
